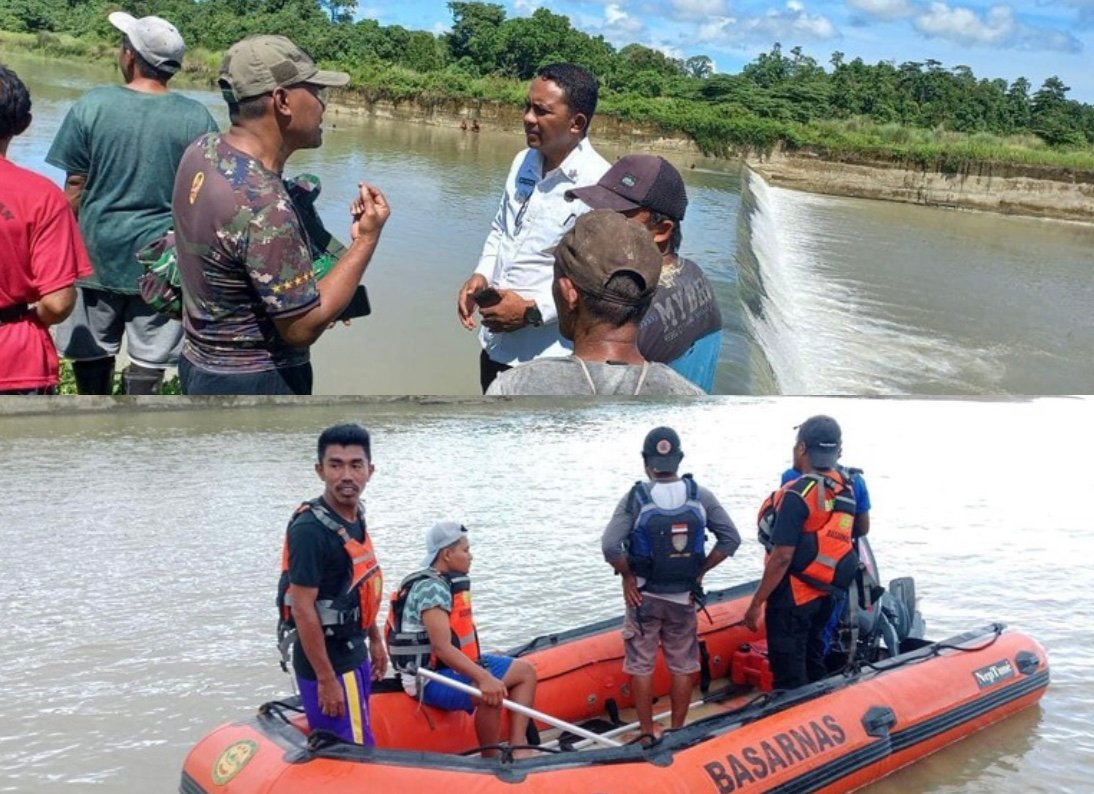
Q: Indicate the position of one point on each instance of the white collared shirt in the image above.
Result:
(519, 252)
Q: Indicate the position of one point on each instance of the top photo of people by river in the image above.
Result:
(364, 208)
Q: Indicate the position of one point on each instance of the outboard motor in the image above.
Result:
(884, 616)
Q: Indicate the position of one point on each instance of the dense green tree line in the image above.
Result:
(778, 96)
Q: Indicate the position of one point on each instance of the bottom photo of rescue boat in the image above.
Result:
(143, 550)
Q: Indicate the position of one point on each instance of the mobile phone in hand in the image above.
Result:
(487, 296)
(358, 305)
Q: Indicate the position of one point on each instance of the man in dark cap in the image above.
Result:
(606, 271)
(119, 147)
(252, 305)
(683, 328)
(655, 541)
(812, 556)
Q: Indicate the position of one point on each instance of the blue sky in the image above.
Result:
(1031, 38)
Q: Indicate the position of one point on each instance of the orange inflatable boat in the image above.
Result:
(834, 735)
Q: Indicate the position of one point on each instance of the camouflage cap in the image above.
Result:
(604, 244)
(259, 64)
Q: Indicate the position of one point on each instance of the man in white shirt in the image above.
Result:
(511, 287)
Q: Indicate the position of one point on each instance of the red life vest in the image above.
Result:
(354, 609)
(409, 650)
(824, 559)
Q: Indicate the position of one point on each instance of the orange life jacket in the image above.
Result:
(357, 607)
(409, 650)
(824, 559)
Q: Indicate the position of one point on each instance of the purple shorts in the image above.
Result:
(666, 624)
(353, 725)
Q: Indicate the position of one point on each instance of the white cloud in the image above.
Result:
(698, 9)
(884, 9)
(526, 7)
(997, 28)
(792, 22)
(617, 21)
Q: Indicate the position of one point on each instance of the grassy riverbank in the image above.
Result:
(720, 130)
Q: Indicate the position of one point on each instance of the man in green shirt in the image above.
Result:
(119, 147)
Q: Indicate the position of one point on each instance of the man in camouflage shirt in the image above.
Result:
(252, 305)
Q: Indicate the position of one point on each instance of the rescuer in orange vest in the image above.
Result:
(331, 589)
(812, 557)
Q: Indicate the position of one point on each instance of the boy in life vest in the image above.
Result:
(431, 625)
(655, 541)
(812, 557)
(331, 589)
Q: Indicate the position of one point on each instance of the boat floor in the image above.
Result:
(722, 696)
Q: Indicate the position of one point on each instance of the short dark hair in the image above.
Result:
(248, 109)
(625, 285)
(144, 68)
(14, 104)
(579, 87)
(656, 218)
(347, 435)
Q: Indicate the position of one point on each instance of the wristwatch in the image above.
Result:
(533, 316)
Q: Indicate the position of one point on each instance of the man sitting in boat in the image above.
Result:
(430, 625)
(655, 541)
(812, 556)
(331, 589)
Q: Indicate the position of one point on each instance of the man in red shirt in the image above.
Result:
(41, 256)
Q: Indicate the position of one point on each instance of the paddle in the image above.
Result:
(517, 707)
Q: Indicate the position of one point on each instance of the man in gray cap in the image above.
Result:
(812, 556)
(431, 624)
(656, 542)
(252, 305)
(606, 271)
(119, 147)
(683, 328)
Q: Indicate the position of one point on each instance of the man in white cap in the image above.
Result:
(251, 303)
(119, 147)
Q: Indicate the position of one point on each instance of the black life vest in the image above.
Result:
(665, 546)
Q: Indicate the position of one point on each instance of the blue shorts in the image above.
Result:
(444, 697)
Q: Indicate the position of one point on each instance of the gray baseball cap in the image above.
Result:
(440, 536)
(155, 39)
(259, 64)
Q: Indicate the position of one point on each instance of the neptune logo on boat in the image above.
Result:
(993, 673)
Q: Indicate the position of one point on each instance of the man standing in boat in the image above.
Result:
(511, 287)
(812, 556)
(119, 147)
(860, 529)
(655, 541)
(252, 305)
(331, 589)
(683, 327)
